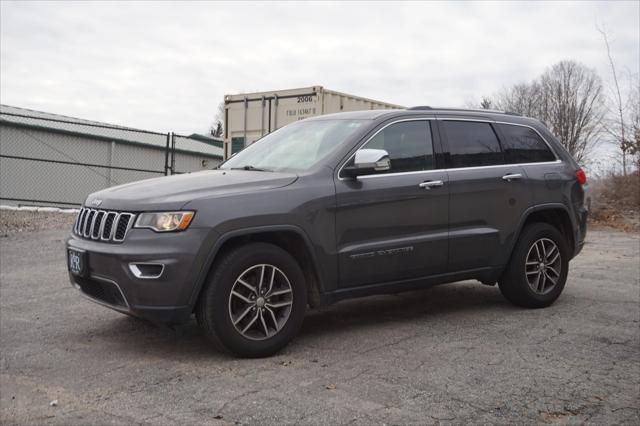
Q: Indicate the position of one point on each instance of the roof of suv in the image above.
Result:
(448, 112)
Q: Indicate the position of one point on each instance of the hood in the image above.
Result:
(173, 192)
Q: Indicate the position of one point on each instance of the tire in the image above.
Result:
(218, 308)
(518, 283)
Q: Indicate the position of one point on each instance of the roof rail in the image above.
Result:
(491, 111)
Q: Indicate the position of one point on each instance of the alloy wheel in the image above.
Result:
(543, 266)
(260, 302)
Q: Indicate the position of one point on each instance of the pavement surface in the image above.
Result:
(453, 354)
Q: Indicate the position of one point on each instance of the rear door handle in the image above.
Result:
(431, 184)
(511, 176)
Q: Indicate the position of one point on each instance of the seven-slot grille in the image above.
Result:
(103, 225)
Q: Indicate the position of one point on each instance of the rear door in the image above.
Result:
(545, 173)
(393, 225)
(487, 195)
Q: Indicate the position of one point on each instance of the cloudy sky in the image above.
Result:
(165, 66)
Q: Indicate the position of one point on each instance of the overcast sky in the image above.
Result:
(166, 66)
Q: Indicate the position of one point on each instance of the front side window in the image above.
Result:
(296, 147)
(524, 145)
(409, 145)
(472, 144)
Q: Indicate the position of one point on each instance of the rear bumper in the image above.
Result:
(581, 233)
(164, 299)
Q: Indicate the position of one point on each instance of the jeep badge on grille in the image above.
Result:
(95, 202)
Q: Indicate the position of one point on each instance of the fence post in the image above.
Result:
(173, 153)
(112, 149)
(166, 156)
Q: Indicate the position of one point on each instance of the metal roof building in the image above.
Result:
(49, 159)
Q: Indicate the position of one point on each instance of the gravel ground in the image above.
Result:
(452, 354)
(12, 221)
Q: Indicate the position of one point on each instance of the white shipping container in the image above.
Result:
(250, 116)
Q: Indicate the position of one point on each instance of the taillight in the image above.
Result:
(582, 178)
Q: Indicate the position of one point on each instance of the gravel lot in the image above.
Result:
(453, 354)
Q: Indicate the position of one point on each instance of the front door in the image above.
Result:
(393, 225)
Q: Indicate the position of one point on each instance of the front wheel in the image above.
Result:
(254, 301)
(537, 271)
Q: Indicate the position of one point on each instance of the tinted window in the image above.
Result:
(472, 144)
(409, 146)
(524, 145)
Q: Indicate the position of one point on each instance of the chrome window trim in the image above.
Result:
(456, 169)
(416, 172)
(496, 166)
(343, 165)
(453, 169)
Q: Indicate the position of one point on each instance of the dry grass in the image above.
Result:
(615, 202)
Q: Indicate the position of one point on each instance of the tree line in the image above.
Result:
(579, 109)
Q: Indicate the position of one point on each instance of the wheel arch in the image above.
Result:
(290, 238)
(556, 215)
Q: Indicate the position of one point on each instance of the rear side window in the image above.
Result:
(472, 144)
(409, 145)
(524, 145)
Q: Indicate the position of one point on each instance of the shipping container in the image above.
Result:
(250, 116)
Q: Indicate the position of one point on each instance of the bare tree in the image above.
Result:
(623, 110)
(523, 98)
(568, 98)
(486, 103)
(571, 103)
(633, 145)
(217, 128)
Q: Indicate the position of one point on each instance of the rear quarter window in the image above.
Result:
(524, 145)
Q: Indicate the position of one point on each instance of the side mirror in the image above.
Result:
(368, 161)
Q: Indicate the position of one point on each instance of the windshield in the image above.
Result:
(296, 147)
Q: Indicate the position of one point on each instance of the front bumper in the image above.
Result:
(167, 299)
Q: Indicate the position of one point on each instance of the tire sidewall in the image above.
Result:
(217, 300)
(517, 276)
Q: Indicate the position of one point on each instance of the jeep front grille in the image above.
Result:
(103, 225)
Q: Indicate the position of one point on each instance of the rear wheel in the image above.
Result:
(254, 301)
(537, 271)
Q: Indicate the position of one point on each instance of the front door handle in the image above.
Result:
(431, 184)
(511, 176)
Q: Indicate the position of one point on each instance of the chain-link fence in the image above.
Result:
(59, 161)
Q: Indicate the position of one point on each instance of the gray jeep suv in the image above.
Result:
(335, 207)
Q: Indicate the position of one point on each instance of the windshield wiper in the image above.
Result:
(249, 167)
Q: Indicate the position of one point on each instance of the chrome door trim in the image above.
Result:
(455, 169)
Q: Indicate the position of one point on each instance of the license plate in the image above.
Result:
(77, 262)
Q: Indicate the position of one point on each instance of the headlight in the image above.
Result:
(165, 221)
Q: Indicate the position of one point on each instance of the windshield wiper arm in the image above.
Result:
(249, 167)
